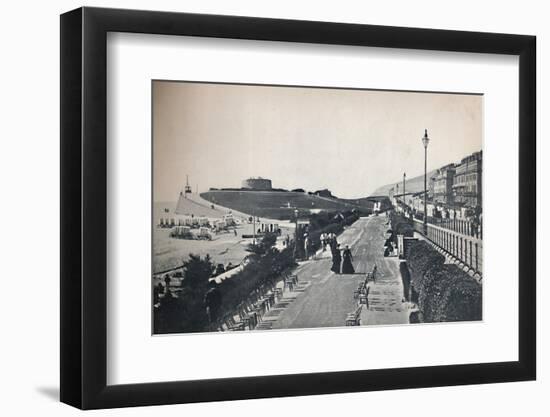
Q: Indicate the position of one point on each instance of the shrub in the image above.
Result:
(400, 226)
(443, 292)
(186, 313)
(260, 248)
(261, 271)
(405, 229)
(452, 295)
(406, 279)
(421, 257)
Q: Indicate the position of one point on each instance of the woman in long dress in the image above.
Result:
(347, 266)
(336, 259)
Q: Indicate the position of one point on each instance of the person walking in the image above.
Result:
(307, 244)
(333, 243)
(336, 259)
(347, 265)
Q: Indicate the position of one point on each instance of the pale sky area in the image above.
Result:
(349, 141)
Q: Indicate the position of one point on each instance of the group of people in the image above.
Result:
(328, 239)
(342, 261)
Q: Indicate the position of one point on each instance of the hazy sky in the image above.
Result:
(349, 141)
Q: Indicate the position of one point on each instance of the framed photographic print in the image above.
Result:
(257, 207)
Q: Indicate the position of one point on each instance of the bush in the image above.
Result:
(186, 313)
(406, 279)
(421, 257)
(400, 226)
(450, 294)
(260, 248)
(442, 292)
(262, 271)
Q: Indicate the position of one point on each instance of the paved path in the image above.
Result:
(323, 299)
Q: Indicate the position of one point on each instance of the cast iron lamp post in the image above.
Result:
(397, 196)
(425, 142)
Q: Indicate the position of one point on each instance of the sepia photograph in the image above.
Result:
(292, 207)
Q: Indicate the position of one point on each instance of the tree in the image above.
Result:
(262, 247)
(194, 286)
(186, 313)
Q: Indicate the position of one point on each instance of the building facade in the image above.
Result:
(324, 193)
(257, 183)
(467, 181)
(443, 185)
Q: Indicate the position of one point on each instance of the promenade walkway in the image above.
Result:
(323, 298)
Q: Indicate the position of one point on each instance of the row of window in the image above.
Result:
(460, 179)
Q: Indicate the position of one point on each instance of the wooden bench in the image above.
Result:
(278, 293)
(364, 298)
(230, 324)
(249, 317)
(294, 278)
(354, 319)
(291, 280)
(289, 283)
(361, 289)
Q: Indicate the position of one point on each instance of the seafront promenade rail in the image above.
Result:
(464, 227)
(466, 249)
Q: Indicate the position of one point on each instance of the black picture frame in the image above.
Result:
(84, 207)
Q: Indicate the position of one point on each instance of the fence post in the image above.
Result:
(477, 267)
(455, 251)
(453, 244)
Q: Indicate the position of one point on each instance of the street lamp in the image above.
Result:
(425, 142)
(397, 194)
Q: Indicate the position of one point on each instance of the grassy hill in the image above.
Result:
(280, 204)
(413, 185)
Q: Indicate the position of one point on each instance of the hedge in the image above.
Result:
(450, 294)
(445, 292)
(400, 226)
(406, 279)
(261, 271)
(421, 257)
